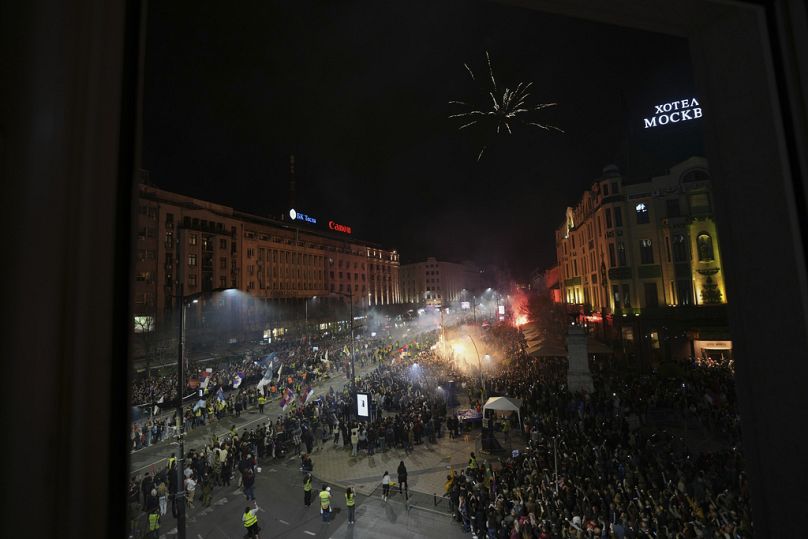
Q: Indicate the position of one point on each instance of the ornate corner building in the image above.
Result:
(640, 262)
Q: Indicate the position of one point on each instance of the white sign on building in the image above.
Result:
(674, 112)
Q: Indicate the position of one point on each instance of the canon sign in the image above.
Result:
(674, 112)
(339, 228)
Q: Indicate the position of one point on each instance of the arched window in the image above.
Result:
(705, 247)
(642, 213)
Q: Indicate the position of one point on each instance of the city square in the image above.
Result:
(498, 269)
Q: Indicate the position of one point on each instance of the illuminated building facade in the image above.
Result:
(646, 252)
(435, 282)
(274, 261)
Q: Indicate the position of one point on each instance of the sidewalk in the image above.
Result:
(427, 465)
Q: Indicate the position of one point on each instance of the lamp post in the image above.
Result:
(350, 314)
(480, 363)
(183, 302)
(306, 304)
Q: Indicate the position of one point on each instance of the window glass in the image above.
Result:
(642, 213)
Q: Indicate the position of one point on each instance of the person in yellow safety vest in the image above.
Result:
(172, 461)
(307, 490)
(154, 523)
(325, 503)
(261, 402)
(350, 501)
(472, 461)
(251, 521)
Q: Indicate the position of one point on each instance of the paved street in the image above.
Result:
(279, 492)
(279, 487)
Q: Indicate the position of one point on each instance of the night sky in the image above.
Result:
(359, 91)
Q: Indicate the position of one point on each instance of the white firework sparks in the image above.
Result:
(507, 108)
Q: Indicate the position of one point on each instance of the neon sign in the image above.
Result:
(674, 112)
(339, 228)
(297, 216)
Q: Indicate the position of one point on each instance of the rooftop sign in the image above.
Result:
(297, 216)
(674, 112)
(339, 228)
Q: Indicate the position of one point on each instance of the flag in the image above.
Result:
(199, 404)
(280, 370)
(236, 381)
(205, 380)
(309, 394)
(220, 394)
(287, 399)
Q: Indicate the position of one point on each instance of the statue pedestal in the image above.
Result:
(578, 376)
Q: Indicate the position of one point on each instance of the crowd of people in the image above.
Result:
(298, 364)
(587, 473)
(308, 423)
(594, 465)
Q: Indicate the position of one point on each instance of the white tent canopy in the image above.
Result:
(504, 404)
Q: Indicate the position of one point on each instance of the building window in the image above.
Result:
(626, 295)
(705, 247)
(222, 244)
(646, 252)
(621, 254)
(608, 218)
(679, 248)
(223, 263)
(192, 260)
(192, 239)
(222, 282)
(618, 216)
(192, 280)
(605, 189)
(699, 203)
(684, 292)
(612, 257)
(616, 295)
(651, 297)
(672, 206)
(642, 213)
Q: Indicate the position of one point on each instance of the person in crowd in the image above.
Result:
(385, 485)
(154, 524)
(250, 521)
(325, 503)
(350, 503)
(403, 486)
(307, 486)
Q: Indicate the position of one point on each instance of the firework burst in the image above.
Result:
(503, 110)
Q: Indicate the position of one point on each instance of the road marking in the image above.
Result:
(199, 536)
(283, 522)
(310, 533)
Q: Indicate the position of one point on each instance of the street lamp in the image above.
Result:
(179, 496)
(183, 302)
(306, 303)
(480, 363)
(350, 314)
